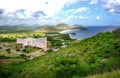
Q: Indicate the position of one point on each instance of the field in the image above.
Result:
(113, 74)
(16, 29)
(12, 52)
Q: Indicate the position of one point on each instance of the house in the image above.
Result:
(34, 42)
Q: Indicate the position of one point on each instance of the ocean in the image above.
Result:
(91, 31)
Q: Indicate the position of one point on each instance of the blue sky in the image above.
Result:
(51, 12)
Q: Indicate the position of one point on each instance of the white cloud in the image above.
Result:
(47, 7)
(78, 10)
(98, 17)
(51, 8)
(73, 17)
(93, 1)
(112, 10)
(112, 6)
(82, 9)
(82, 17)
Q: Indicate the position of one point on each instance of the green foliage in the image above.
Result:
(13, 36)
(29, 49)
(68, 67)
(19, 46)
(117, 33)
(113, 74)
(65, 37)
(58, 40)
(50, 50)
(15, 29)
(54, 42)
(23, 56)
(95, 55)
(8, 50)
(0, 47)
(3, 57)
(26, 50)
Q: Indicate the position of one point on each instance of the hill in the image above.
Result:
(53, 28)
(95, 55)
(45, 28)
(62, 26)
(113, 74)
(16, 29)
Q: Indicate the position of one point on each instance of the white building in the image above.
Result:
(35, 42)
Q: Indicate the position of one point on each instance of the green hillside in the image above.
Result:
(113, 74)
(63, 26)
(53, 28)
(16, 29)
(95, 55)
(57, 28)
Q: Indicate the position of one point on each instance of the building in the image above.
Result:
(35, 42)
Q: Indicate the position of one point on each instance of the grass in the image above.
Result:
(113, 74)
(12, 54)
(20, 35)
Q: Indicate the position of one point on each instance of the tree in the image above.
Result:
(68, 67)
(8, 50)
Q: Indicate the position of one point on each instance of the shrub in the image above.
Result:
(17, 49)
(0, 47)
(8, 50)
(49, 50)
(68, 67)
(116, 33)
(23, 56)
(26, 50)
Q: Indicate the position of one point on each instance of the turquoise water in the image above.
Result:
(91, 31)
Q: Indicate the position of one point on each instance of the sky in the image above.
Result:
(52, 12)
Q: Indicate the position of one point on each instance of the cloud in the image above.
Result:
(36, 5)
(82, 9)
(112, 6)
(98, 17)
(93, 1)
(78, 10)
(28, 11)
(38, 14)
(73, 17)
(1, 11)
(82, 17)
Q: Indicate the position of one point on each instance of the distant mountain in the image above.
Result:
(52, 28)
(16, 29)
(45, 28)
(63, 26)
(76, 25)
(59, 27)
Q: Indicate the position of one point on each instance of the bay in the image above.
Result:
(91, 31)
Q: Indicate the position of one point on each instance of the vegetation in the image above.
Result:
(59, 40)
(12, 36)
(11, 50)
(95, 55)
(15, 29)
(113, 74)
(8, 50)
(29, 49)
